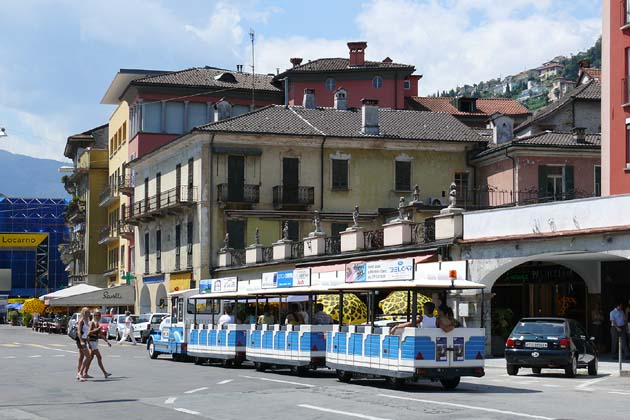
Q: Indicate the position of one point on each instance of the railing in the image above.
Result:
(297, 250)
(333, 245)
(249, 194)
(124, 228)
(267, 253)
(107, 196)
(107, 232)
(125, 184)
(373, 239)
(238, 257)
(170, 199)
(303, 196)
(423, 232)
(489, 197)
(77, 245)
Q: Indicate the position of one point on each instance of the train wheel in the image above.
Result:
(226, 363)
(198, 360)
(344, 376)
(299, 370)
(394, 383)
(260, 367)
(450, 383)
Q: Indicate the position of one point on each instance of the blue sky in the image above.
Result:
(57, 58)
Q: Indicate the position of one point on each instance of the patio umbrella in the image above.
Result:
(33, 306)
(354, 310)
(15, 306)
(396, 303)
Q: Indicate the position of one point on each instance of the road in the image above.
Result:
(38, 382)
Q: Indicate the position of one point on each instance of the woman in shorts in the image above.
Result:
(82, 343)
(94, 334)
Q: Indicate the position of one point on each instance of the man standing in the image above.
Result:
(321, 317)
(128, 329)
(618, 331)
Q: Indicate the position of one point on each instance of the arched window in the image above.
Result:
(377, 82)
(330, 84)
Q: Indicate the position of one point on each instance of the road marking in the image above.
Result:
(9, 345)
(39, 346)
(58, 345)
(183, 410)
(551, 386)
(591, 382)
(9, 357)
(170, 400)
(35, 355)
(227, 381)
(469, 407)
(192, 391)
(278, 380)
(113, 355)
(139, 357)
(619, 393)
(58, 355)
(344, 413)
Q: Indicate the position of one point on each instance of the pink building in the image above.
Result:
(388, 82)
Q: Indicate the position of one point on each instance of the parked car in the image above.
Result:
(146, 324)
(73, 320)
(116, 326)
(105, 323)
(556, 343)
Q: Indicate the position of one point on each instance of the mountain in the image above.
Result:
(29, 177)
(527, 86)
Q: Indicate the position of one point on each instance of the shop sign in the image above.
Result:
(285, 279)
(225, 284)
(269, 280)
(301, 277)
(153, 279)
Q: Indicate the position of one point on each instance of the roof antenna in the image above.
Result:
(251, 37)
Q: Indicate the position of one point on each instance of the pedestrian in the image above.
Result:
(94, 334)
(128, 329)
(84, 353)
(618, 331)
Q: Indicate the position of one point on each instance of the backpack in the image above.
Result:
(72, 332)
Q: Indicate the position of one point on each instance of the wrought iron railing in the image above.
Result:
(267, 253)
(490, 197)
(297, 250)
(333, 245)
(249, 194)
(283, 195)
(423, 232)
(107, 196)
(373, 239)
(108, 232)
(169, 199)
(238, 257)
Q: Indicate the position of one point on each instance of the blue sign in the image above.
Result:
(285, 278)
(205, 286)
(153, 279)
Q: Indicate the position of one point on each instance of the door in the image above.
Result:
(236, 178)
(290, 180)
(578, 336)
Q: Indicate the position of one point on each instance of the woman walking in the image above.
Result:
(84, 352)
(94, 334)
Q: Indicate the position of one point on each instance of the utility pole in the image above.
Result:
(251, 37)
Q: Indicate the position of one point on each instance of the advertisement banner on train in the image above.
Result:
(225, 284)
(388, 270)
(355, 272)
(285, 279)
(301, 277)
(269, 280)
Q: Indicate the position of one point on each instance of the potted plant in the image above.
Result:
(501, 327)
(12, 317)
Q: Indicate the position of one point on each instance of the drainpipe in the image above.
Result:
(321, 174)
(211, 204)
(513, 175)
(286, 91)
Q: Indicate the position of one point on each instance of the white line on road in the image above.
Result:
(192, 391)
(551, 386)
(278, 380)
(183, 410)
(138, 357)
(51, 348)
(58, 355)
(9, 357)
(113, 355)
(469, 407)
(591, 382)
(227, 381)
(35, 355)
(619, 393)
(170, 400)
(344, 413)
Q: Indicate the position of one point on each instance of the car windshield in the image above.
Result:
(547, 328)
(104, 321)
(157, 318)
(141, 318)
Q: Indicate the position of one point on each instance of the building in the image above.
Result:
(550, 70)
(559, 87)
(86, 259)
(616, 97)
(474, 112)
(262, 176)
(35, 215)
(388, 82)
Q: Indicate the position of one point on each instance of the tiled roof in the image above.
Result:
(589, 91)
(208, 77)
(485, 107)
(552, 139)
(593, 72)
(395, 124)
(339, 64)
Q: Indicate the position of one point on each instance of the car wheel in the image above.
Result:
(593, 366)
(118, 336)
(152, 353)
(450, 383)
(536, 371)
(512, 370)
(344, 376)
(571, 370)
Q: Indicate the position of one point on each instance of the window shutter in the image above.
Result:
(542, 181)
(569, 185)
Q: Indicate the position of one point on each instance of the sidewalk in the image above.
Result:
(606, 365)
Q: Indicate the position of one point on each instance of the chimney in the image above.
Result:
(357, 53)
(341, 99)
(579, 134)
(296, 61)
(309, 98)
(502, 128)
(584, 63)
(239, 68)
(369, 117)
(223, 110)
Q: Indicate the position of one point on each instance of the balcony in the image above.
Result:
(108, 234)
(625, 90)
(247, 194)
(108, 196)
(75, 212)
(166, 203)
(125, 185)
(293, 197)
(126, 230)
(77, 246)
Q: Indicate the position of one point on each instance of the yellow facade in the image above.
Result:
(96, 163)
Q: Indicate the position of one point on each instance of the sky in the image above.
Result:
(58, 57)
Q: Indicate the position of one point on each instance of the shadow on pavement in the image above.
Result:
(436, 387)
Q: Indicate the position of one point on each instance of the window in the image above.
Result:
(174, 117)
(336, 228)
(236, 230)
(146, 253)
(197, 112)
(330, 84)
(597, 191)
(406, 84)
(555, 182)
(122, 256)
(339, 174)
(178, 244)
(294, 230)
(377, 82)
(627, 146)
(158, 251)
(189, 244)
(626, 15)
(403, 176)
(462, 185)
(152, 117)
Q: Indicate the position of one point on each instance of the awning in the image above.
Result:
(70, 291)
(114, 296)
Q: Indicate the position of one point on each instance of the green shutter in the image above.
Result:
(569, 184)
(542, 181)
